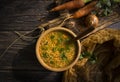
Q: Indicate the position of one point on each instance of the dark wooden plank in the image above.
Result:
(20, 55)
(25, 14)
(20, 51)
(29, 76)
(20, 63)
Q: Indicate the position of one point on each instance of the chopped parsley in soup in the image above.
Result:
(55, 49)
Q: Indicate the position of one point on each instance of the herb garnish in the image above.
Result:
(45, 55)
(52, 37)
(51, 62)
(105, 7)
(62, 55)
(91, 57)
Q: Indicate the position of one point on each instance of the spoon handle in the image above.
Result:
(90, 29)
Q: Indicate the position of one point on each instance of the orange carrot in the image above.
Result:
(85, 10)
(71, 5)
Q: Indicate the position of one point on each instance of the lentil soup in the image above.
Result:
(56, 51)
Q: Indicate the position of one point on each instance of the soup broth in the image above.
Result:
(55, 49)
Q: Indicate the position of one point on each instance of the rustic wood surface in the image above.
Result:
(19, 64)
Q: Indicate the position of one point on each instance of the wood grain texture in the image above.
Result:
(23, 14)
(19, 63)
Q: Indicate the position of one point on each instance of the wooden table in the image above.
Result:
(19, 63)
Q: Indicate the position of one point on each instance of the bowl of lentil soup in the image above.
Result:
(56, 50)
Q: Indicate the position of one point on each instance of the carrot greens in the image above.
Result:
(105, 7)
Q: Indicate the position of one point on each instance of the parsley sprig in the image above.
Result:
(91, 57)
(105, 7)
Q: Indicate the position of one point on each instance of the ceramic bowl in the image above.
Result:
(78, 51)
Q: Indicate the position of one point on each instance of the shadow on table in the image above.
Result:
(27, 69)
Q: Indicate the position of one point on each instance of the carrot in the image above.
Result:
(71, 5)
(85, 10)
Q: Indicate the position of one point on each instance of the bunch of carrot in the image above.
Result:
(86, 9)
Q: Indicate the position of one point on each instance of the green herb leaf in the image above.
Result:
(45, 55)
(52, 37)
(61, 50)
(107, 11)
(116, 0)
(44, 48)
(99, 5)
(108, 3)
(46, 43)
(81, 57)
(106, 7)
(63, 56)
(60, 34)
(54, 49)
(86, 54)
(68, 39)
(60, 40)
(92, 59)
(52, 62)
(67, 47)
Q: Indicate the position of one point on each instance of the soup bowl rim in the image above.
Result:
(38, 51)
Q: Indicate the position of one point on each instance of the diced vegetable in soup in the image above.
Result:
(55, 49)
